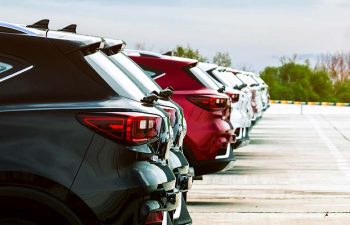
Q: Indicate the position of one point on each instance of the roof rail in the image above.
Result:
(42, 24)
(72, 28)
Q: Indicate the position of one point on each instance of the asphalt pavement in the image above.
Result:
(295, 171)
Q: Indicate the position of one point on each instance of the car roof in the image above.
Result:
(66, 41)
(22, 28)
(160, 56)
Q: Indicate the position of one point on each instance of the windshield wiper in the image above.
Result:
(222, 89)
(150, 99)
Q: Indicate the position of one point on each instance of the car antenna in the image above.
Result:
(72, 28)
(42, 24)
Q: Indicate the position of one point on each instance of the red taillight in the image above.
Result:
(234, 97)
(154, 218)
(210, 102)
(130, 128)
(172, 114)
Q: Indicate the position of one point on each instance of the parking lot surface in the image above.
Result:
(295, 171)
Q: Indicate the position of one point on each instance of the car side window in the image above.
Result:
(152, 73)
(4, 67)
(10, 67)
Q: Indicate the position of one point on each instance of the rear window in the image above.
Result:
(135, 73)
(204, 78)
(114, 76)
(246, 79)
(227, 78)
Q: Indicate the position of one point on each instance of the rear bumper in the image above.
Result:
(160, 201)
(215, 165)
(181, 215)
(180, 166)
(206, 140)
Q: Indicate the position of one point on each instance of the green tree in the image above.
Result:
(342, 91)
(299, 82)
(189, 52)
(222, 59)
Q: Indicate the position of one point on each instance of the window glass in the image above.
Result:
(114, 76)
(204, 78)
(145, 82)
(245, 79)
(227, 78)
(4, 67)
(150, 73)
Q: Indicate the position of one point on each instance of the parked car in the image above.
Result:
(177, 161)
(77, 145)
(264, 90)
(252, 85)
(239, 117)
(207, 144)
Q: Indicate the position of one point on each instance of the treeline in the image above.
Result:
(328, 81)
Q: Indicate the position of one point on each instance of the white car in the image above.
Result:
(239, 117)
(253, 85)
(264, 90)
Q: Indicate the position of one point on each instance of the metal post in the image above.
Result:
(301, 108)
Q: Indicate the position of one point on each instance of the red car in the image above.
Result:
(207, 145)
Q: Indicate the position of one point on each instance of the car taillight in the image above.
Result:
(154, 218)
(130, 128)
(210, 102)
(234, 97)
(172, 114)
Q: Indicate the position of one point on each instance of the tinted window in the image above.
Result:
(154, 74)
(11, 67)
(114, 76)
(150, 73)
(4, 67)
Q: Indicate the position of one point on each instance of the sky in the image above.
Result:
(256, 33)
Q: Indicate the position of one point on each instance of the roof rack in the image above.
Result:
(42, 24)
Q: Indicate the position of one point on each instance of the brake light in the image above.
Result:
(234, 97)
(130, 128)
(210, 102)
(172, 114)
(154, 218)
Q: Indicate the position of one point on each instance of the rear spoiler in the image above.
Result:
(169, 53)
(112, 47)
